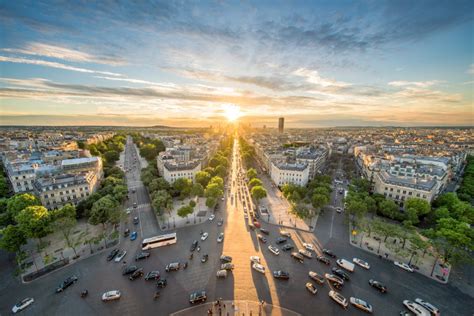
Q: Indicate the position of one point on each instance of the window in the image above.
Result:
(404, 192)
(410, 193)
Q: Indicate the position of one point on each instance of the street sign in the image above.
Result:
(354, 232)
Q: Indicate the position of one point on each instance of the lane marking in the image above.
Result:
(332, 222)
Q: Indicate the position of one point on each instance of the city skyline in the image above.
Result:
(189, 65)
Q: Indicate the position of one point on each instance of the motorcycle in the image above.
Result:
(84, 293)
(199, 248)
(185, 265)
(157, 295)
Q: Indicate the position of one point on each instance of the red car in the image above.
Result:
(256, 224)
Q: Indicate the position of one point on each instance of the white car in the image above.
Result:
(204, 236)
(120, 256)
(258, 267)
(220, 238)
(428, 306)
(274, 250)
(255, 259)
(211, 218)
(416, 308)
(310, 287)
(222, 198)
(361, 263)
(338, 209)
(24, 303)
(306, 253)
(338, 298)
(361, 304)
(404, 266)
(111, 295)
(129, 210)
(308, 246)
(285, 233)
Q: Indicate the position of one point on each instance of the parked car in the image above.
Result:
(111, 295)
(161, 283)
(305, 253)
(281, 240)
(258, 267)
(66, 283)
(21, 305)
(338, 298)
(211, 218)
(287, 247)
(285, 233)
(261, 238)
(112, 254)
(428, 306)
(316, 277)
(323, 260)
(220, 222)
(379, 286)
(311, 288)
(174, 266)
(297, 256)
(329, 253)
(136, 274)
(204, 236)
(221, 274)
(133, 236)
(255, 259)
(152, 275)
(274, 250)
(194, 245)
(142, 255)
(256, 224)
(204, 258)
(361, 263)
(226, 259)
(197, 297)
(340, 273)
(220, 238)
(339, 210)
(129, 270)
(279, 274)
(416, 308)
(126, 232)
(308, 246)
(135, 220)
(227, 266)
(120, 255)
(361, 304)
(404, 266)
(335, 280)
(264, 231)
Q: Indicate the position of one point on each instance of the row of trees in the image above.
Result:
(109, 150)
(149, 147)
(466, 191)
(247, 152)
(4, 186)
(257, 190)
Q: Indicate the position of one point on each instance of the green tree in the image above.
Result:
(183, 186)
(120, 193)
(211, 202)
(203, 178)
(103, 211)
(65, 225)
(300, 210)
(12, 238)
(255, 182)
(390, 209)
(319, 200)
(115, 172)
(111, 156)
(192, 203)
(34, 221)
(258, 192)
(356, 208)
(158, 184)
(197, 190)
(217, 180)
(221, 171)
(251, 173)
(213, 190)
(417, 206)
(19, 202)
(161, 201)
(149, 152)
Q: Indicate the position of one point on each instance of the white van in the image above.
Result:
(343, 263)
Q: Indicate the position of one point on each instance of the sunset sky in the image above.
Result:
(178, 63)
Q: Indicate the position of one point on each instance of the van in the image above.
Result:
(343, 263)
(172, 267)
(221, 274)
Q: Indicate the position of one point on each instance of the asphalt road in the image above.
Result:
(98, 275)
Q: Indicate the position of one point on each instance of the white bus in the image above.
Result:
(158, 241)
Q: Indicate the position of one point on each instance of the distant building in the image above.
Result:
(296, 173)
(281, 124)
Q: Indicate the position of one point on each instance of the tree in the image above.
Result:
(111, 156)
(12, 238)
(102, 211)
(217, 180)
(19, 202)
(65, 225)
(183, 186)
(158, 184)
(34, 221)
(115, 172)
(149, 152)
(197, 190)
(300, 210)
(161, 200)
(356, 208)
(221, 171)
(211, 202)
(383, 229)
(390, 209)
(120, 193)
(418, 207)
(255, 182)
(203, 178)
(319, 200)
(67, 210)
(258, 192)
(251, 173)
(213, 190)
(192, 203)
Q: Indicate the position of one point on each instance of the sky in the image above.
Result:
(196, 63)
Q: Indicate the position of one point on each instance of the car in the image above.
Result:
(251, 226)
(416, 308)
(129, 270)
(305, 253)
(246, 216)
(274, 250)
(308, 246)
(142, 255)
(257, 224)
(222, 274)
(174, 266)
(120, 255)
(204, 236)
(379, 286)
(194, 245)
(329, 253)
(316, 277)
(134, 204)
(428, 306)
(340, 273)
(361, 263)
(136, 274)
(264, 231)
(133, 236)
(404, 266)
(279, 274)
(222, 199)
(323, 259)
(339, 210)
(211, 218)
(361, 304)
(226, 259)
(161, 283)
(21, 305)
(281, 240)
(227, 266)
(287, 247)
(136, 220)
(338, 298)
(220, 222)
(126, 232)
(297, 256)
(258, 267)
(204, 258)
(152, 275)
(285, 233)
(335, 280)
(255, 259)
(128, 210)
(220, 238)
(197, 297)
(112, 254)
(66, 283)
(311, 288)
(111, 295)
(261, 238)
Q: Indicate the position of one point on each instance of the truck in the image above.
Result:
(343, 263)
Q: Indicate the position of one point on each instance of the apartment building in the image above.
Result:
(282, 173)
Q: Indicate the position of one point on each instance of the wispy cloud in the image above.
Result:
(470, 70)
(421, 84)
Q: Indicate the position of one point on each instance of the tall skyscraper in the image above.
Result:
(281, 123)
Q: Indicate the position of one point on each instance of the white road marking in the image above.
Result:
(332, 222)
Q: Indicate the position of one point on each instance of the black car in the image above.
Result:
(194, 245)
(298, 256)
(261, 238)
(287, 247)
(135, 220)
(137, 274)
(226, 259)
(323, 259)
(67, 283)
(197, 297)
(329, 253)
(379, 286)
(112, 254)
(142, 255)
(340, 273)
(280, 240)
(204, 258)
(264, 231)
(161, 283)
(129, 270)
(152, 275)
(126, 233)
(281, 275)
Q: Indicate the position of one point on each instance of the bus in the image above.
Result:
(158, 241)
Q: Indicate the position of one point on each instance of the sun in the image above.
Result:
(231, 112)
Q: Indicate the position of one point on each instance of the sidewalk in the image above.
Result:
(425, 264)
(171, 220)
(234, 308)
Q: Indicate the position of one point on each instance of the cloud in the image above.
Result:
(312, 76)
(54, 65)
(421, 84)
(470, 70)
